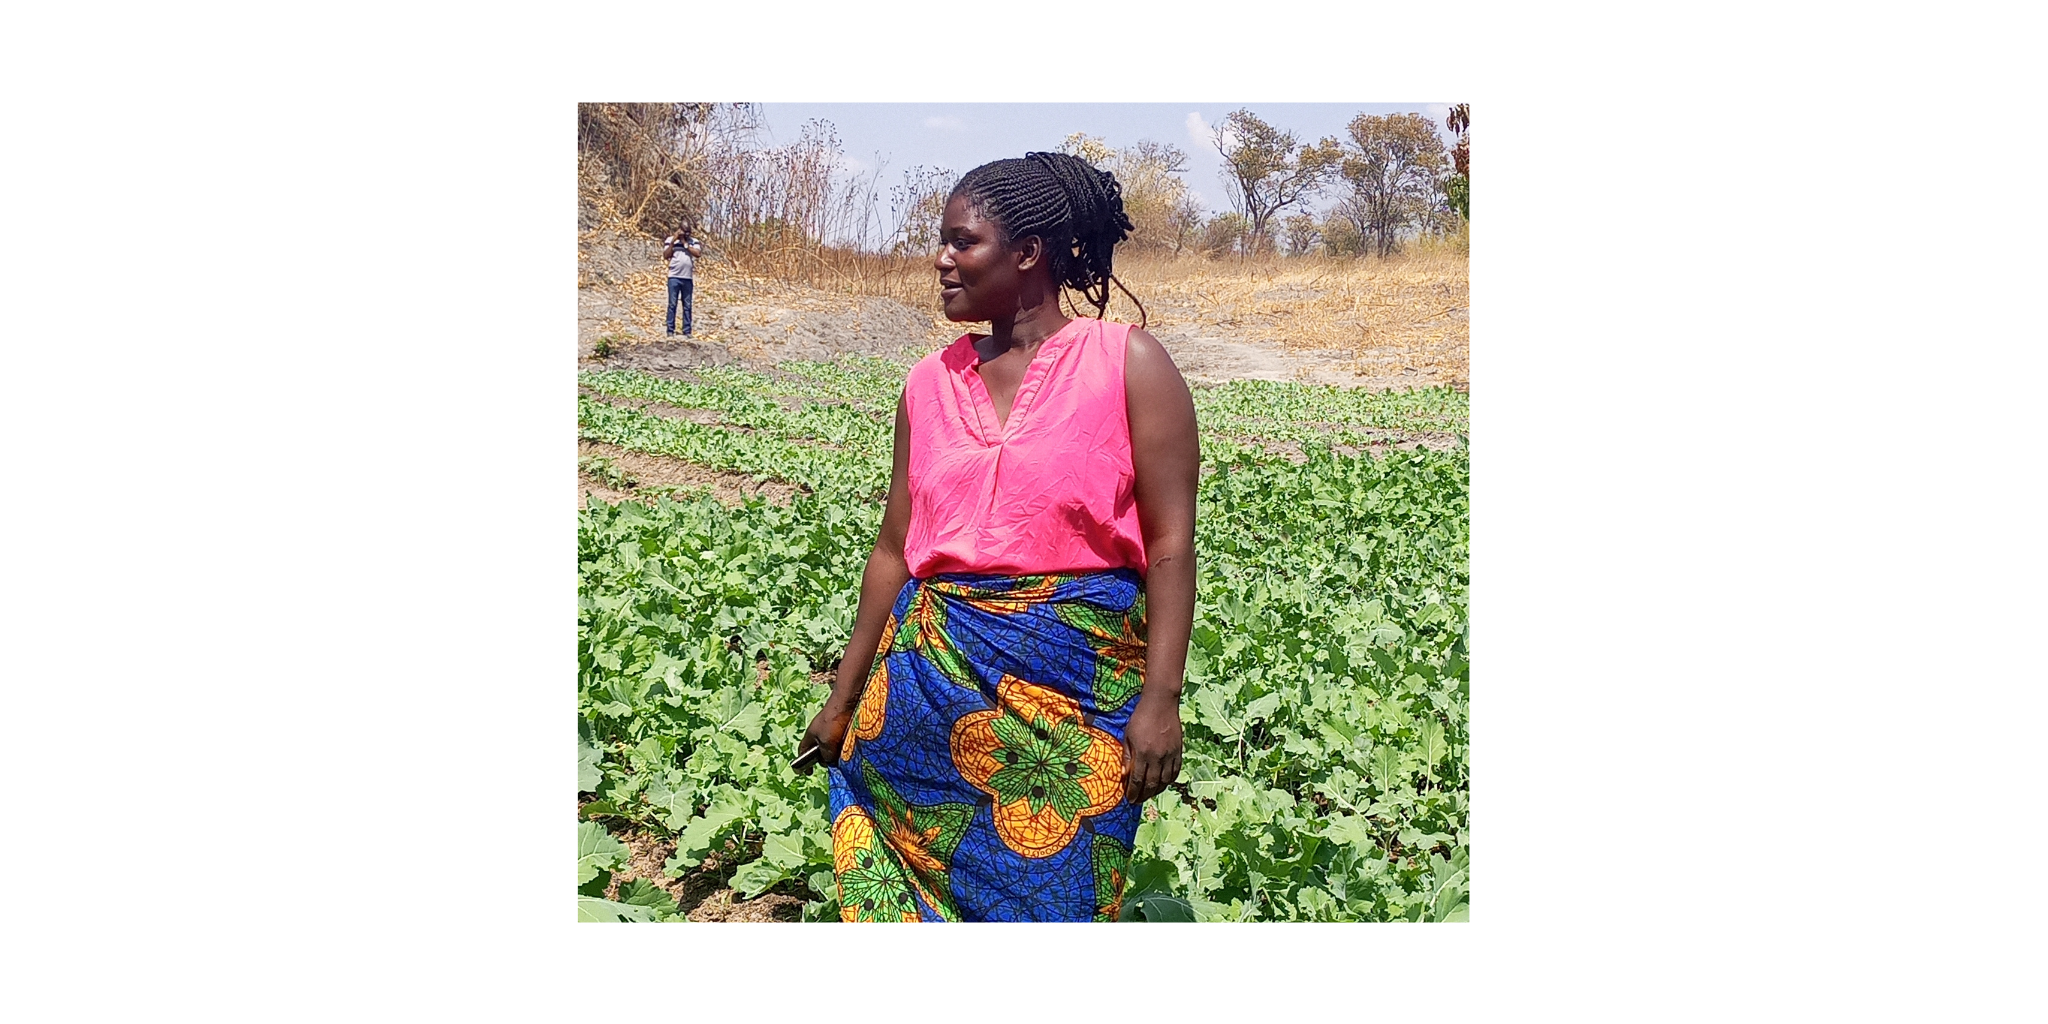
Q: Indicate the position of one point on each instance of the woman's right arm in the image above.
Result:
(884, 578)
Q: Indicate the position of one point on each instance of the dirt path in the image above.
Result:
(1212, 359)
(1203, 358)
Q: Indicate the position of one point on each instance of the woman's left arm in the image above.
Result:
(1166, 458)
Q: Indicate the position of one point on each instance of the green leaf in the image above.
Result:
(824, 884)
(1316, 905)
(1215, 710)
(596, 851)
(1352, 830)
(641, 892)
(1262, 708)
(1432, 746)
(1450, 896)
(703, 830)
(747, 723)
(1389, 769)
(672, 798)
(594, 909)
(755, 877)
(784, 850)
(1158, 908)
(1152, 875)
(1340, 733)
(588, 774)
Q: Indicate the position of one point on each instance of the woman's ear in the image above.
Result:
(1030, 252)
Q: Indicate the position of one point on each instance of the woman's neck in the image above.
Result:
(1025, 330)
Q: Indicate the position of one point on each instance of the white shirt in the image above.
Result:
(680, 262)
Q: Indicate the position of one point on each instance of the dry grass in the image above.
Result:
(1404, 311)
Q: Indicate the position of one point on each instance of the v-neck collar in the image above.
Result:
(993, 430)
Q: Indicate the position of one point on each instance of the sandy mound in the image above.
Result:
(770, 333)
(622, 299)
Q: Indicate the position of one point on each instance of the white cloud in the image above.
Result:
(947, 122)
(1199, 133)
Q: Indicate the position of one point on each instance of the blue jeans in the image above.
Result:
(679, 286)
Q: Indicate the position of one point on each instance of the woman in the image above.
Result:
(1029, 598)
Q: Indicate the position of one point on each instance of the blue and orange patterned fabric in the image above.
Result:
(982, 777)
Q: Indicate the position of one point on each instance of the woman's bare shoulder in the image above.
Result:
(1145, 359)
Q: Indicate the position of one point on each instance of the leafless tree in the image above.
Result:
(918, 204)
(1184, 221)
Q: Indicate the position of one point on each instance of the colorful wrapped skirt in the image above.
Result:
(982, 777)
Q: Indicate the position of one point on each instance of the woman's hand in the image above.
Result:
(880, 583)
(1151, 748)
(827, 731)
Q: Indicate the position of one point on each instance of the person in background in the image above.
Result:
(681, 252)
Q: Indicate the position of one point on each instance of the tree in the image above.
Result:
(1340, 235)
(919, 204)
(1184, 221)
(1346, 230)
(1149, 175)
(1090, 148)
(1303, 234)
(1392, 164)
(642, 162)
(1226, 233)
(1267, 169)
(1459, 185)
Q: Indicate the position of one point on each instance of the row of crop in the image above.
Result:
(699, 628)
(1326, 703)
(866, 382)
(844, 415)
(839, 425)
(1245, 405)
(1223, 436)
(849, 473)
(1327, 693)
(1240, 406)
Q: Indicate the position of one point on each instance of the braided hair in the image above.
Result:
(1076, 209)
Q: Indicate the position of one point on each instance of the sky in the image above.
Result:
(959, 136)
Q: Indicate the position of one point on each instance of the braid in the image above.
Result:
(1076, 209)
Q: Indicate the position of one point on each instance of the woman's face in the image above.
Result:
(979, 276)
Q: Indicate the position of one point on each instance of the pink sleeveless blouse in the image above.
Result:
(1048, 491)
